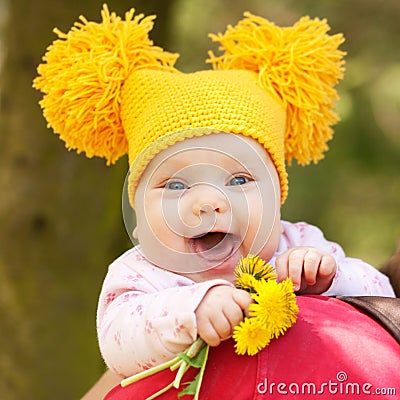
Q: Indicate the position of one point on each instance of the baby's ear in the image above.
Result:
(135, 234)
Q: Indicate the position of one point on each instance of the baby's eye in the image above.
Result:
(175, 185)
(238, 180)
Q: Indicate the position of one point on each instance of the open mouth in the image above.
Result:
(214, 246)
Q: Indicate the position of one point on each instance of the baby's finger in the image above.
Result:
(281, 266)
(234, 316)
(208, 333)
(327, 266)
(243, 300)
(312, 260)
(223, 327)
(295, 266)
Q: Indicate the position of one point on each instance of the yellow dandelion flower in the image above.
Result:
(255, 266)
(275, 306)
(246, 282)
(250, 337)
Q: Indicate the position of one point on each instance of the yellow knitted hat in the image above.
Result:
(108, 91)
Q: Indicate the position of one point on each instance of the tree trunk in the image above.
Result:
(60, 221)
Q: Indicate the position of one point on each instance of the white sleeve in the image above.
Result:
(146, 315)
(355, 277)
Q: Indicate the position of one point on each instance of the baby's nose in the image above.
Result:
(207, 199)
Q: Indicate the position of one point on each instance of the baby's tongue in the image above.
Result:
(214, 246)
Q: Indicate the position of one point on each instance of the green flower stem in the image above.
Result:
(201, 374)
(191, 352)
(173, 364)
(195, 347)
(160, 392)
(181, 371)
(176, 365)
(149, 372)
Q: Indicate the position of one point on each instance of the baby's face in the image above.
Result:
(204, 202)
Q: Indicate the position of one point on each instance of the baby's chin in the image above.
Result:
(202, 258)
(205, 276)
(221, 270)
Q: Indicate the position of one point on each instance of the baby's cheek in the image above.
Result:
(270, 244)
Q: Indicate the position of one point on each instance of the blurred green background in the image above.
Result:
(60, 213)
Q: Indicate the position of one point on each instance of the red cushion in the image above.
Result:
(333, 351)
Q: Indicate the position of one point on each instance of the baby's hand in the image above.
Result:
(219, 312)
(311, 270)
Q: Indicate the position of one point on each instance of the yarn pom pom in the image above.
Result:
(299, 66)
(82, 76)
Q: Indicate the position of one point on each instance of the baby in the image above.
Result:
(207, 178)
(200, 205)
